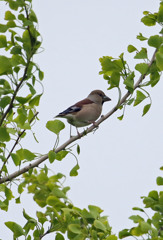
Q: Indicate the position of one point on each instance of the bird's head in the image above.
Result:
(98, 96)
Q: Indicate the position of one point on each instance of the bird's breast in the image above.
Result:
(89, 113)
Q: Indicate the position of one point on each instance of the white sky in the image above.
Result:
(120, 162)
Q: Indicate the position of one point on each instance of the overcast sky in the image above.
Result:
(120, 162)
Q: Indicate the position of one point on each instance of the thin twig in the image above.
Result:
(74, 138)
(47, 232)
(23, 78)
(15, 93)
(16, 142)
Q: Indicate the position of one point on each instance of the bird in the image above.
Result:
(86, 111)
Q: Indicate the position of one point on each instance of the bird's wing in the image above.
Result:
(76, 107)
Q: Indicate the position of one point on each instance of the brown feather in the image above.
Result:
(83, 102)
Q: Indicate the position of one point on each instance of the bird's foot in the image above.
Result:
(95, 125)
(79, 135)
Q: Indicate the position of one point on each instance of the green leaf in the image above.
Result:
(3, 28)
(4, 135)
(153, 194)
(99, 225)
(30, 115)
(109, 65)
(61, 154)
(95, 211)
(17, 60)
(3, 41)
(136, 231)
(149, 20)
(160, 13)
(155, 41)
(142, 67)
(21, 17)
(139, 97)
(55, 126)
(120, 117)
(31, 88)
(161, 168)
(112, 237)
(23, 100)
(54, 202)
(25, 154)
(74, 171)
(13, 5)
(146, 109)
(159, 60)
(131, 48)
(35, 101)
(32, 16)
(11, 24)
(8, 193)
(136, 218)
(138, 209)
(124, 233)
(21, 187)
(78, 149)
(3, 206)
(75, 228)
(11, 130)
(129, 82)
(27, 23)
(145, 12)
(5, 101)
(22, 116)
(142, 54)
(5, 65)
(15, 228)
(27, 217)
(159, 181)
(145, 227)
(26, 42)
(41, 217)
(17, 200)
(59, 237)
(41, 75)
(15, 159)
(141, 37)
(154, 78)
(9, 15)
(114, 80)
(16, 50)
(52, 156)
(130, 101)
(28, 155)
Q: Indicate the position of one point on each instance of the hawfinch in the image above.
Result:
(86, 111)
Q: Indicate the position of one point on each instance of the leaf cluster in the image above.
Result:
(148, 227)
(60, 215)
(21, 40)
(118, 73)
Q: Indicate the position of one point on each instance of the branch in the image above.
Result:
(16, 142)
(23, 78)
(47, 232)
(15, 93)
(74, 138)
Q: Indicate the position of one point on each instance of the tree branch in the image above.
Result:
(16, 142)
(15, 93)
(74, 138)
(23, 78)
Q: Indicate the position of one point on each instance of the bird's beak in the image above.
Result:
(105, 98)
